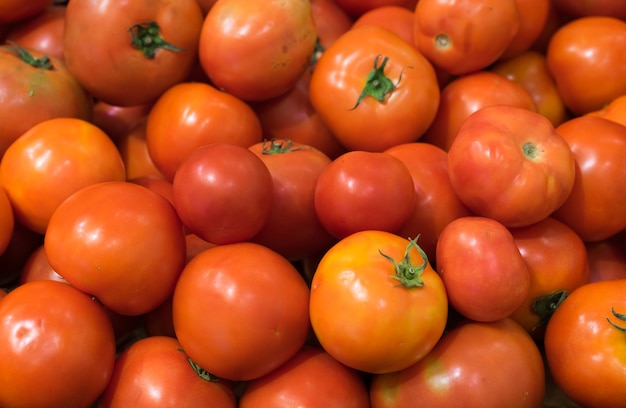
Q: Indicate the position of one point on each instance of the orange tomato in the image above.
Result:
(134, 151)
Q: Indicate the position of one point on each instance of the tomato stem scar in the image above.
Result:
(146, 38)
(409, 275)
(378, 85)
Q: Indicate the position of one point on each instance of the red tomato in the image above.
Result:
(367, 87)
(482, 269)
(500, 170)
(15, 11)
(398, 19)
(462, 36)
(155, 371)
(7, 220)
(292, 228)
(607, 258)
(330, 20)
(58, 347)
(586, 81)
(193, 114)
(532, 15)
(595, 207)
(575, 8)
(133, 148)
(116, 121)
(128, 53)
(614, 110)
(240, 310)
(487, 365)
(157, 184)
(43, 32)
(364, 190)
(257, 50)
(37, 268)
(127, 245)
(584, 344)
(58, 157)
(359, 7)
(376, 303)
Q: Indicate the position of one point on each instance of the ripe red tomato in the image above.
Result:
(584, 344)
(37, 268)
(367, 87)
(330, 20)
(487, 365)
(128, 53)
(58, 347)
(15, 11)
(482, 269)
(362, 190)
(155, 371)
(500, 170)
(257, 50)
(310, 378)
(116, 121)
(595, 207)
(7, 220)
(240, 310)
(133, 148)
(43, 32)
(120, 242)
(376, 303)
(51, 161)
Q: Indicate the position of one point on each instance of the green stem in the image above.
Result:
(619, 316)
(409, 275)
(146, 38)
(278, 146)
(377, 84)
(24, 55)
(545, 305)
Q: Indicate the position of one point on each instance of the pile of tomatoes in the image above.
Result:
(333, 203)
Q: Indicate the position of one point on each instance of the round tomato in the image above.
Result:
(487, 365)
(584, 344)
(120, 242)
(128, 53)
(330, 20)
(398, 19)
(15, 11)
(501, 170)
(362, 190)
(51, 161)
(43, 32)
(367, 87)
(607, 258)
(484, 273)
(614, 110)
(116, 121)
(376, 303)
(133, 148)
(240, 310)
(37, 268)
(532, 15)
(7, 220)
(58, 347)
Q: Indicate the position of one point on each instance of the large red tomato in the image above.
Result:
(240, 310)
(501, 170)
(58, 347)
(376, 304)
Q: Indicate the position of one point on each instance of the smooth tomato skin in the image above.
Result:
(614, 110)
(398, 19)
(490, 365)
(43, 32)
(595, 207)
(116, 121)
(362, 190)
(356, 8)
(99, 50)
(339, 78)
(365, 318)
(482, 268)
(223, 193)
(127, 245)
(585, 81)
(133, 148)
(463, 36)
(155, 371)
(436, 203)
(501, 171)
(190, 115)
(240, 310)
(607, 259)
(584, 352)
(257, 51)
(51, 161)
(7, 220)
(310, 378)
(58, 347)
(15, 11)
(532, 16)
(330, 20)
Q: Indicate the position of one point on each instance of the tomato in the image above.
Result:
(376, 303)
(193, 114)
(240, 310)
(584, 344)
(15, 11)
(614, 110)
(488, 365)
(157, 184)
(557, 261)
(607, 259)
(155, 371)
(7, 220)
(574, 8)
(532, 15)
(127, 246)
(37, 268)
(398, 19)
(463, 36)
(500, 170)
(359, 7)
(362, 190)
(466, 94)
(367, 87)
(310, 378)
(257, 50)
(595, 207)
(58, 157)
(128, 53)
(133, 148)
(116, 121)
(436, 203)
(58, 347)
(43, 32)
(292, 228)
(586, 81)
(330, 20)
(35, 87)
(530, 70)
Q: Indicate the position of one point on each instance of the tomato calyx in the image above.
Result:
(317, 54)
(146, 38)
(530, 150)
(619, 316)
(409, 275)
(27, 57)
(545, 305)
(278, 146)
(201, 372)
(377, 84)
